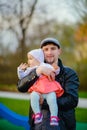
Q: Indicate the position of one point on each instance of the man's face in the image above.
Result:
(51, 53)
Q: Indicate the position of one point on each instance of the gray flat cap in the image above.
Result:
(50, 40)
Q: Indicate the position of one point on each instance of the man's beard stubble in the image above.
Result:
(49, 62)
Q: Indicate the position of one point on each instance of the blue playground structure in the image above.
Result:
(13, 117)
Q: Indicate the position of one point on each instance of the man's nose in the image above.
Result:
(49, 51)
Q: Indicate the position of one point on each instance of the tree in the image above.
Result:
(78, 8)
(17, 15)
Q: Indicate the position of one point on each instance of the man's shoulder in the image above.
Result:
(65, 69)
(69, 70)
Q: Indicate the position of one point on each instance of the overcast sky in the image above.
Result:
(59, 9)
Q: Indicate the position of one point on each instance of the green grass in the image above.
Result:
(81, 126)
(19, 106)
(83, 94)
(6, 125)
(81, 115)
(22, 107)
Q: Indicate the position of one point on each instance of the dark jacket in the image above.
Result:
(66, 103)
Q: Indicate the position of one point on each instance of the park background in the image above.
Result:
(24, 23)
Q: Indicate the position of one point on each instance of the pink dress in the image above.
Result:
(44, 86)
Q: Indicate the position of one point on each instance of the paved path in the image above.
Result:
(82, 101)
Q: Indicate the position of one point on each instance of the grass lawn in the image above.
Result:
(5, 125)
(17, 105)
(83, 94)
(81, 115)
(22, 107)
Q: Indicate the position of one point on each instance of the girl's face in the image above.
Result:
(32, 61)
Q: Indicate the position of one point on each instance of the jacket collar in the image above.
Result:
(60, 64)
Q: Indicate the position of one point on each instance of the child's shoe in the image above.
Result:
(38, 118)
(54, 120)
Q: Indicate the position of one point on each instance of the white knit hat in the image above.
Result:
(37, 54)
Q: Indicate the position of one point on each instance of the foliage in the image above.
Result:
(81, 33)
(82, 71)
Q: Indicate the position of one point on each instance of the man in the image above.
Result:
(68, 80)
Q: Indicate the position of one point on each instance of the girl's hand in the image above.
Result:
(23, 66)
(44, 70)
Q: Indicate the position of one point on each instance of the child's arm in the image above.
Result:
(22, 70)
(57, 68)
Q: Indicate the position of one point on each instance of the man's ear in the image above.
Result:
(60, 51)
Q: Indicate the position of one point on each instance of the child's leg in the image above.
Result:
(52, 102)
(35, 97)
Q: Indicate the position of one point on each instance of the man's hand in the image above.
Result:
(51, 77)
(49, 72)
